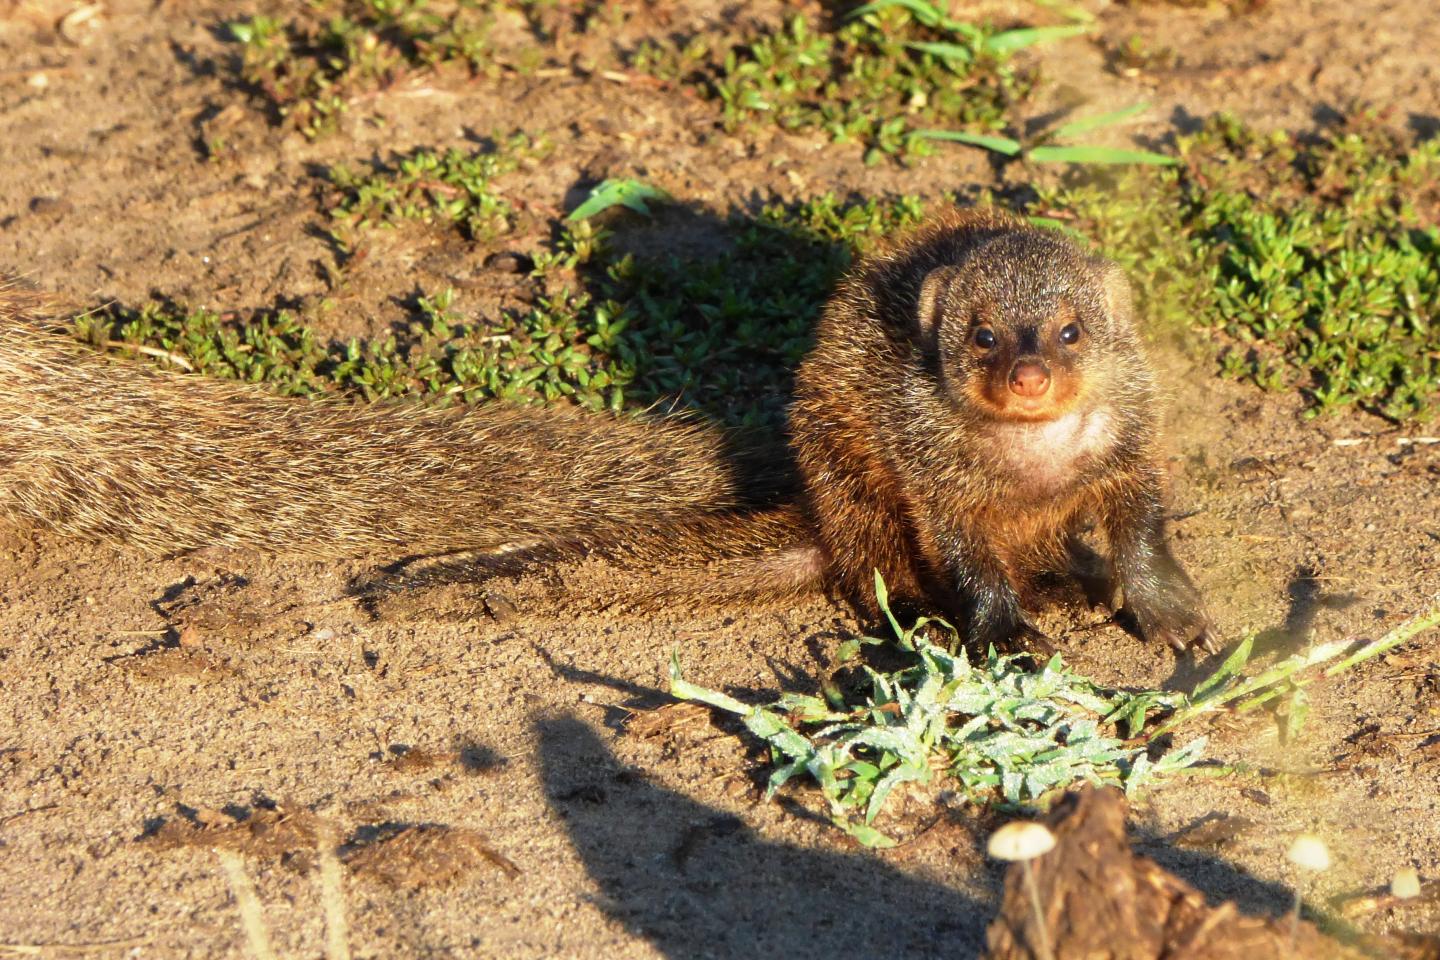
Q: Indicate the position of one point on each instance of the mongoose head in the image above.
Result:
(1027, 328)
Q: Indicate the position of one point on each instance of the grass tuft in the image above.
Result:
(1007, 735)
(312, 67)
(1000, 733)
(429, 186)
(1313, 265)
(891, 70)
(720, 332)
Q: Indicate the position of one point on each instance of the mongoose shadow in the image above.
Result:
(788, 678)
(1425, 126)
(1306, 599)
(697, 882)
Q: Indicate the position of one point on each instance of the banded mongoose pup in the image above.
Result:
(976, 396)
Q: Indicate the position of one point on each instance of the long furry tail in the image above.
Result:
(126, 452)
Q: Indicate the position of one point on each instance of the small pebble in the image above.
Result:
(508, 261)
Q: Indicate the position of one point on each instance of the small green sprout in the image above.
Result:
(1042, 148)
(620, 193)
(455, 186)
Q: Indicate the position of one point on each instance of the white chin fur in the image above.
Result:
(1045, 456)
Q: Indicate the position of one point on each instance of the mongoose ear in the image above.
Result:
(930, 303)
(1119, 301)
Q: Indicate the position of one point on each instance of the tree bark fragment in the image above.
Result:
(1100, 901)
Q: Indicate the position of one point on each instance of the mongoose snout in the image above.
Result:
(1030, 378)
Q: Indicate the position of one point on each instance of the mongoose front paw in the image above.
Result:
(1010, 631)
(1031, 639)
(1177, 618)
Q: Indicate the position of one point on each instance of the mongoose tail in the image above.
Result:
(129, 453)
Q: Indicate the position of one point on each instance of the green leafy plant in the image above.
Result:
(1044, 148)
(975, 40)
(723, 331)
(311, 67)
(563, 348)
(454, 186)
(1002, 733)
(620, 193)
(891, 69)
(1313, 265)
(999, 732)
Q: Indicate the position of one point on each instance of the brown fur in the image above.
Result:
(920, 456)
(121, 451)
(921, 462)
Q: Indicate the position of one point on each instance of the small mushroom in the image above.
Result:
(1405, 885)
(1021, 841)
(1309, 853)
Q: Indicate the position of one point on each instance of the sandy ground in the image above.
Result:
(507, 788)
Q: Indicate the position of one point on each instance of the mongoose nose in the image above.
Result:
(1029, 378)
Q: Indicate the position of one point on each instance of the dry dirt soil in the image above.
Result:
(507, 787)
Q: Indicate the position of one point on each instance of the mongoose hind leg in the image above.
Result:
(1094, 572)
(702, 558)
(860, 520)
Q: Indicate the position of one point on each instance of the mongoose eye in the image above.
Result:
(1070, 333)
(984, 338)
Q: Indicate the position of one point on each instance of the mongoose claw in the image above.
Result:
(1175, 616)
(1021, 636)
(1032, 639)
(1182, 633)
(1208, 642)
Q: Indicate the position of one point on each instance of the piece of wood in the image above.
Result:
(1100, 901)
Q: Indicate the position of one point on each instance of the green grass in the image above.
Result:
(722, 333)
(564, 348)
(888, 71)
(605, 329)
(428, 186)
(1312, 266)
(311, 68)
(875, 80)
